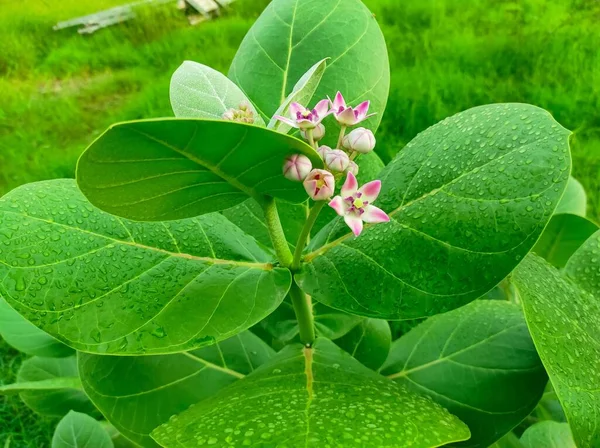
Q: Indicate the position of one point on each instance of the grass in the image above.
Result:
(60, 90)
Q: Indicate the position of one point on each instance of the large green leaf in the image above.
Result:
(584, 266)
(78, 430)
(50, 386)
(548, 435)
(369, 342)
(291, 35)
(137, 394)
(564, 318)
(198, 91)
(563, 236)
(478, 362)
(165, 169)
(468, 198)
(21, 334)
(105, 285)
(574, 200)
(313, 397)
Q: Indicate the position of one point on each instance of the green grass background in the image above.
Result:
(59, 90)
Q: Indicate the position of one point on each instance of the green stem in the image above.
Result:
(282, 249)
(303, 238)
(303, 309)
(341, 138)
(311, 139)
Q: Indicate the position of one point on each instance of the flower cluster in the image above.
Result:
(243, 115)
(354, 204)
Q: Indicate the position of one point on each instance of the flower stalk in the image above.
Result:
(303, 238)
(280, 244)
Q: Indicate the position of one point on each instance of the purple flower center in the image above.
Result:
(308, 115)
(356, 204)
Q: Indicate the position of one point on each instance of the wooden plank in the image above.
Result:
(205, 7)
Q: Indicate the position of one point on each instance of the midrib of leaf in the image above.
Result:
(48, 384)
(263, 266)
(289, 58)
(308, 371)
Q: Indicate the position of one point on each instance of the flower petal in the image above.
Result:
(346, 117)
(295, 108)
(322, 109)
(338, 204)
(355, 223)
(310, 186)
(362, 109)
(374, 215)
(350, 186)
(338, 102)
(305, 124)
(370, 190)
(287, 121)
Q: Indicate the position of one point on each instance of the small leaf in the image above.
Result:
(468, 198)
(51, 387)
(302, 93)
(78, 430)
(198, 91)
(584, 266)
(563, 236)
(478, 362)
(105, 285)
(22, 335)
(574, 200)
(313, 397)
(138, 393)
(510, 440)
(563, 318)
(548, 434)
(166, 169)
(369, 342)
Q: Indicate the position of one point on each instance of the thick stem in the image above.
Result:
(308, 225)
(304, 314)
(282, 249)
(341, 138)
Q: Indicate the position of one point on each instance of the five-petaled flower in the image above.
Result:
(319, 185)
(355, 204)
(349, 116)
(305, 119)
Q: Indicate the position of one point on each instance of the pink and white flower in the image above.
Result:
(355, 204)
(297, 167)
(305, 119)
(319, 185)
(349, 116)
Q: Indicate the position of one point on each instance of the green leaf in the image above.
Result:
(138, 393)
(78, 430)
(369, 342)
(574, 200)
(549, 407)
(563, 236)
(584, 266)
(563, 319)
(468, 198)
(165, 169)
(291, 35)
(548, 435)
(313, 397)
(22, 335)
(478, 362)
(302, 93)
(105, 285)
(510, 440)
(198, 91)
(50, 386)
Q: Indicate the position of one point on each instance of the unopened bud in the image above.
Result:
(323, 150)
(319, 185)
(360, 140)
(297, 167)
(337, 160)
(352, 168)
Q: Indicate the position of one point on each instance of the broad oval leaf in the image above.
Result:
(574, 200)
(548, 434)
(584, 266)
(291, 35)
(369, 342)
(105, 285)
(478, 362)
(313, 397)
(138, 393)
(49, 386)
(198, 91)
(77, 430)
(22, 335)
(468, 198)
(166, 169)
(563, 236)
(563, 318)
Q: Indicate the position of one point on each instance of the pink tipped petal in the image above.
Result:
(374, 215)
(337, 203)
(310, 186)
(295, 108)
(287, 121)
(339, 102)
(355, 224)
(362, 109)
(322, 108)
(350, 186)
(347, 117)
(370, 190)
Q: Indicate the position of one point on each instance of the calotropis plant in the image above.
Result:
(227, 277)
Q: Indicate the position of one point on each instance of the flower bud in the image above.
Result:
(337, 160)
(323, 150)
(318, 133)
(352, 168)
(360, 140)
(297, 167)
(319, 185)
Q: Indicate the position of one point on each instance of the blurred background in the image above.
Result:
(59, 90)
